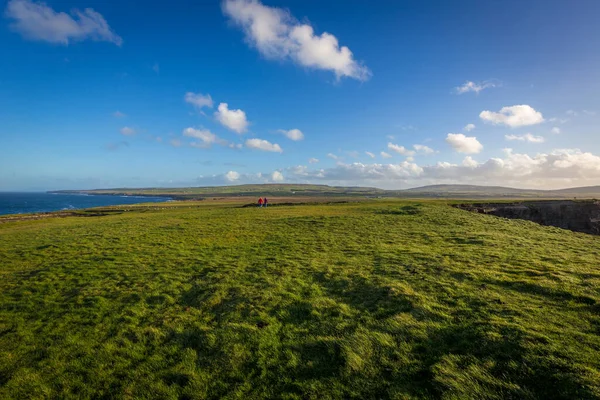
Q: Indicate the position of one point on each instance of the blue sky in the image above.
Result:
(142, 94)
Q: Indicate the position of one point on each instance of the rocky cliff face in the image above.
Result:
(578, 216)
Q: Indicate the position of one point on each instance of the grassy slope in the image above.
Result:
(364, 300)
(271, 190)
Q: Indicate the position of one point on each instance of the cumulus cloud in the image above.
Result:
(528, 137)
(514, 116)
(232, 176)
(276, 34)
(422, 149)
(559, 168)
(370, 154)
(127, 131)
(400, 149)
(556, 130)
(470, 86)
(464, 144)
(292, 134)
(37, 21)
(313, 160)
(277, 176)
(469, 127)
(385, 155)
(198, 100)
(264, 145)
(232, 119)
(333, 156)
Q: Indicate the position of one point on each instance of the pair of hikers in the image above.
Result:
(263, 202)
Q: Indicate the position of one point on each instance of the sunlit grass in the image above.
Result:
(382, 299)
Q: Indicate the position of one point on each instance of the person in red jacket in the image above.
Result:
(260, 202)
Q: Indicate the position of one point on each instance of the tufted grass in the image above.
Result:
(379, 299)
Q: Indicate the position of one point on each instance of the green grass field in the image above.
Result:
(368, 300)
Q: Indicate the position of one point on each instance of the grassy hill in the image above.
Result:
(378, 299)
(272, 190)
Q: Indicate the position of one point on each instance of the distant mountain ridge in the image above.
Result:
(431, 191)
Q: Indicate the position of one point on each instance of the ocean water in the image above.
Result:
(21, 203)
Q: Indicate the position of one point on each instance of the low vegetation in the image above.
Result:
(375, 299)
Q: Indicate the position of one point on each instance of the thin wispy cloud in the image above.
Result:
(37, 21)
(474, 87)
(528, 137)
(117, 145)
(127, 131)
(198, 100)
(276, 34)
(400, 150)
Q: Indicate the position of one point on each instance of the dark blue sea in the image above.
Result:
(21, 203)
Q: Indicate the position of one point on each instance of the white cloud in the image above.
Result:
(276, 34)
(292, 134)
(572, 113)
(203, 134)
(557, 169)
(232, 119)
(370, 154)
(400, 149)
(206, 138)
(175, 143)
(556, 130)
(464, 144)
(277, 176)
(127, 131)
(528, 137)
(37, 21)
(333, 156)
(514, 116)
(385, 155)
(313, 160)
(470, 86)
(422, 149)
(588, 112)
(391, 137)
(264, 145)
(232, 176)
(561, 120)
(198, 100)
(119, 114)
(469, 127)
(469, 162)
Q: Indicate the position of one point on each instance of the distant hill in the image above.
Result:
(474, 191)
(432, 191)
